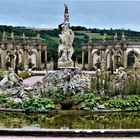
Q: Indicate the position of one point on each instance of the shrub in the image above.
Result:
(3, 99)
(20, 66)
(87, 101)
(13, 105)
(24, 74)
(4, 103)
(57, 95)
(89, 104)
(130, 103)
(37, 104)
(80, 97)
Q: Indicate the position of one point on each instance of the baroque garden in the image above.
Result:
(108, 78)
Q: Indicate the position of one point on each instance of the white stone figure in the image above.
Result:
(38, 37)
(136, 65)
(25, 65)
(11, 78)
(65, 49)
(14, 79)
(122, 73)
(3, 35)
(123, 37)
(120, 78)
(4, 80)
(12, 35)
(115, 37)
(104, 37)
(23, 36)
(8, 57)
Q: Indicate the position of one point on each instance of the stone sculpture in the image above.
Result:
(14, 79)
(11, 79)
(3, 36)
(115, 37)
(123, 37)
(4, 80)
(104, 37)
(12, 35)
(65, 49)
(23, 36)
(136, 66)
(120, 78)
(122, 74)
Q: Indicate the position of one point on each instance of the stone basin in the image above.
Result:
(63, 124)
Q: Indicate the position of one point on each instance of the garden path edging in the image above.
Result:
(67, 112)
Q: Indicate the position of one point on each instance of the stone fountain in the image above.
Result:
(67, 78)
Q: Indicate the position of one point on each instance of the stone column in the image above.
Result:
(103, 60)
(115, 54)
(22, 54)
(83, 57)
(124, 56)
(89, 57)
(11, 47)
(108, 59)
(3, 56)
(39, 57)
(16, 61)
(45, 48)
(25, 57)
(117, 47)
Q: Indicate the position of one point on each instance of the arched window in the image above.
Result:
(42, 56)
(131, 59)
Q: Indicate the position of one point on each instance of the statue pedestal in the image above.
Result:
(65, 64)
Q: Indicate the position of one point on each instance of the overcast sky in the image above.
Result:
(88, 13)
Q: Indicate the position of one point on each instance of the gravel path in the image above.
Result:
(32, 80)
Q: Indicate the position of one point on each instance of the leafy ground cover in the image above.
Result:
(80, 101)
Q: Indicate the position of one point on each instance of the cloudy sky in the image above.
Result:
(88, 13)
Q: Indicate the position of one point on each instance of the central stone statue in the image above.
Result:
(65, 48)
